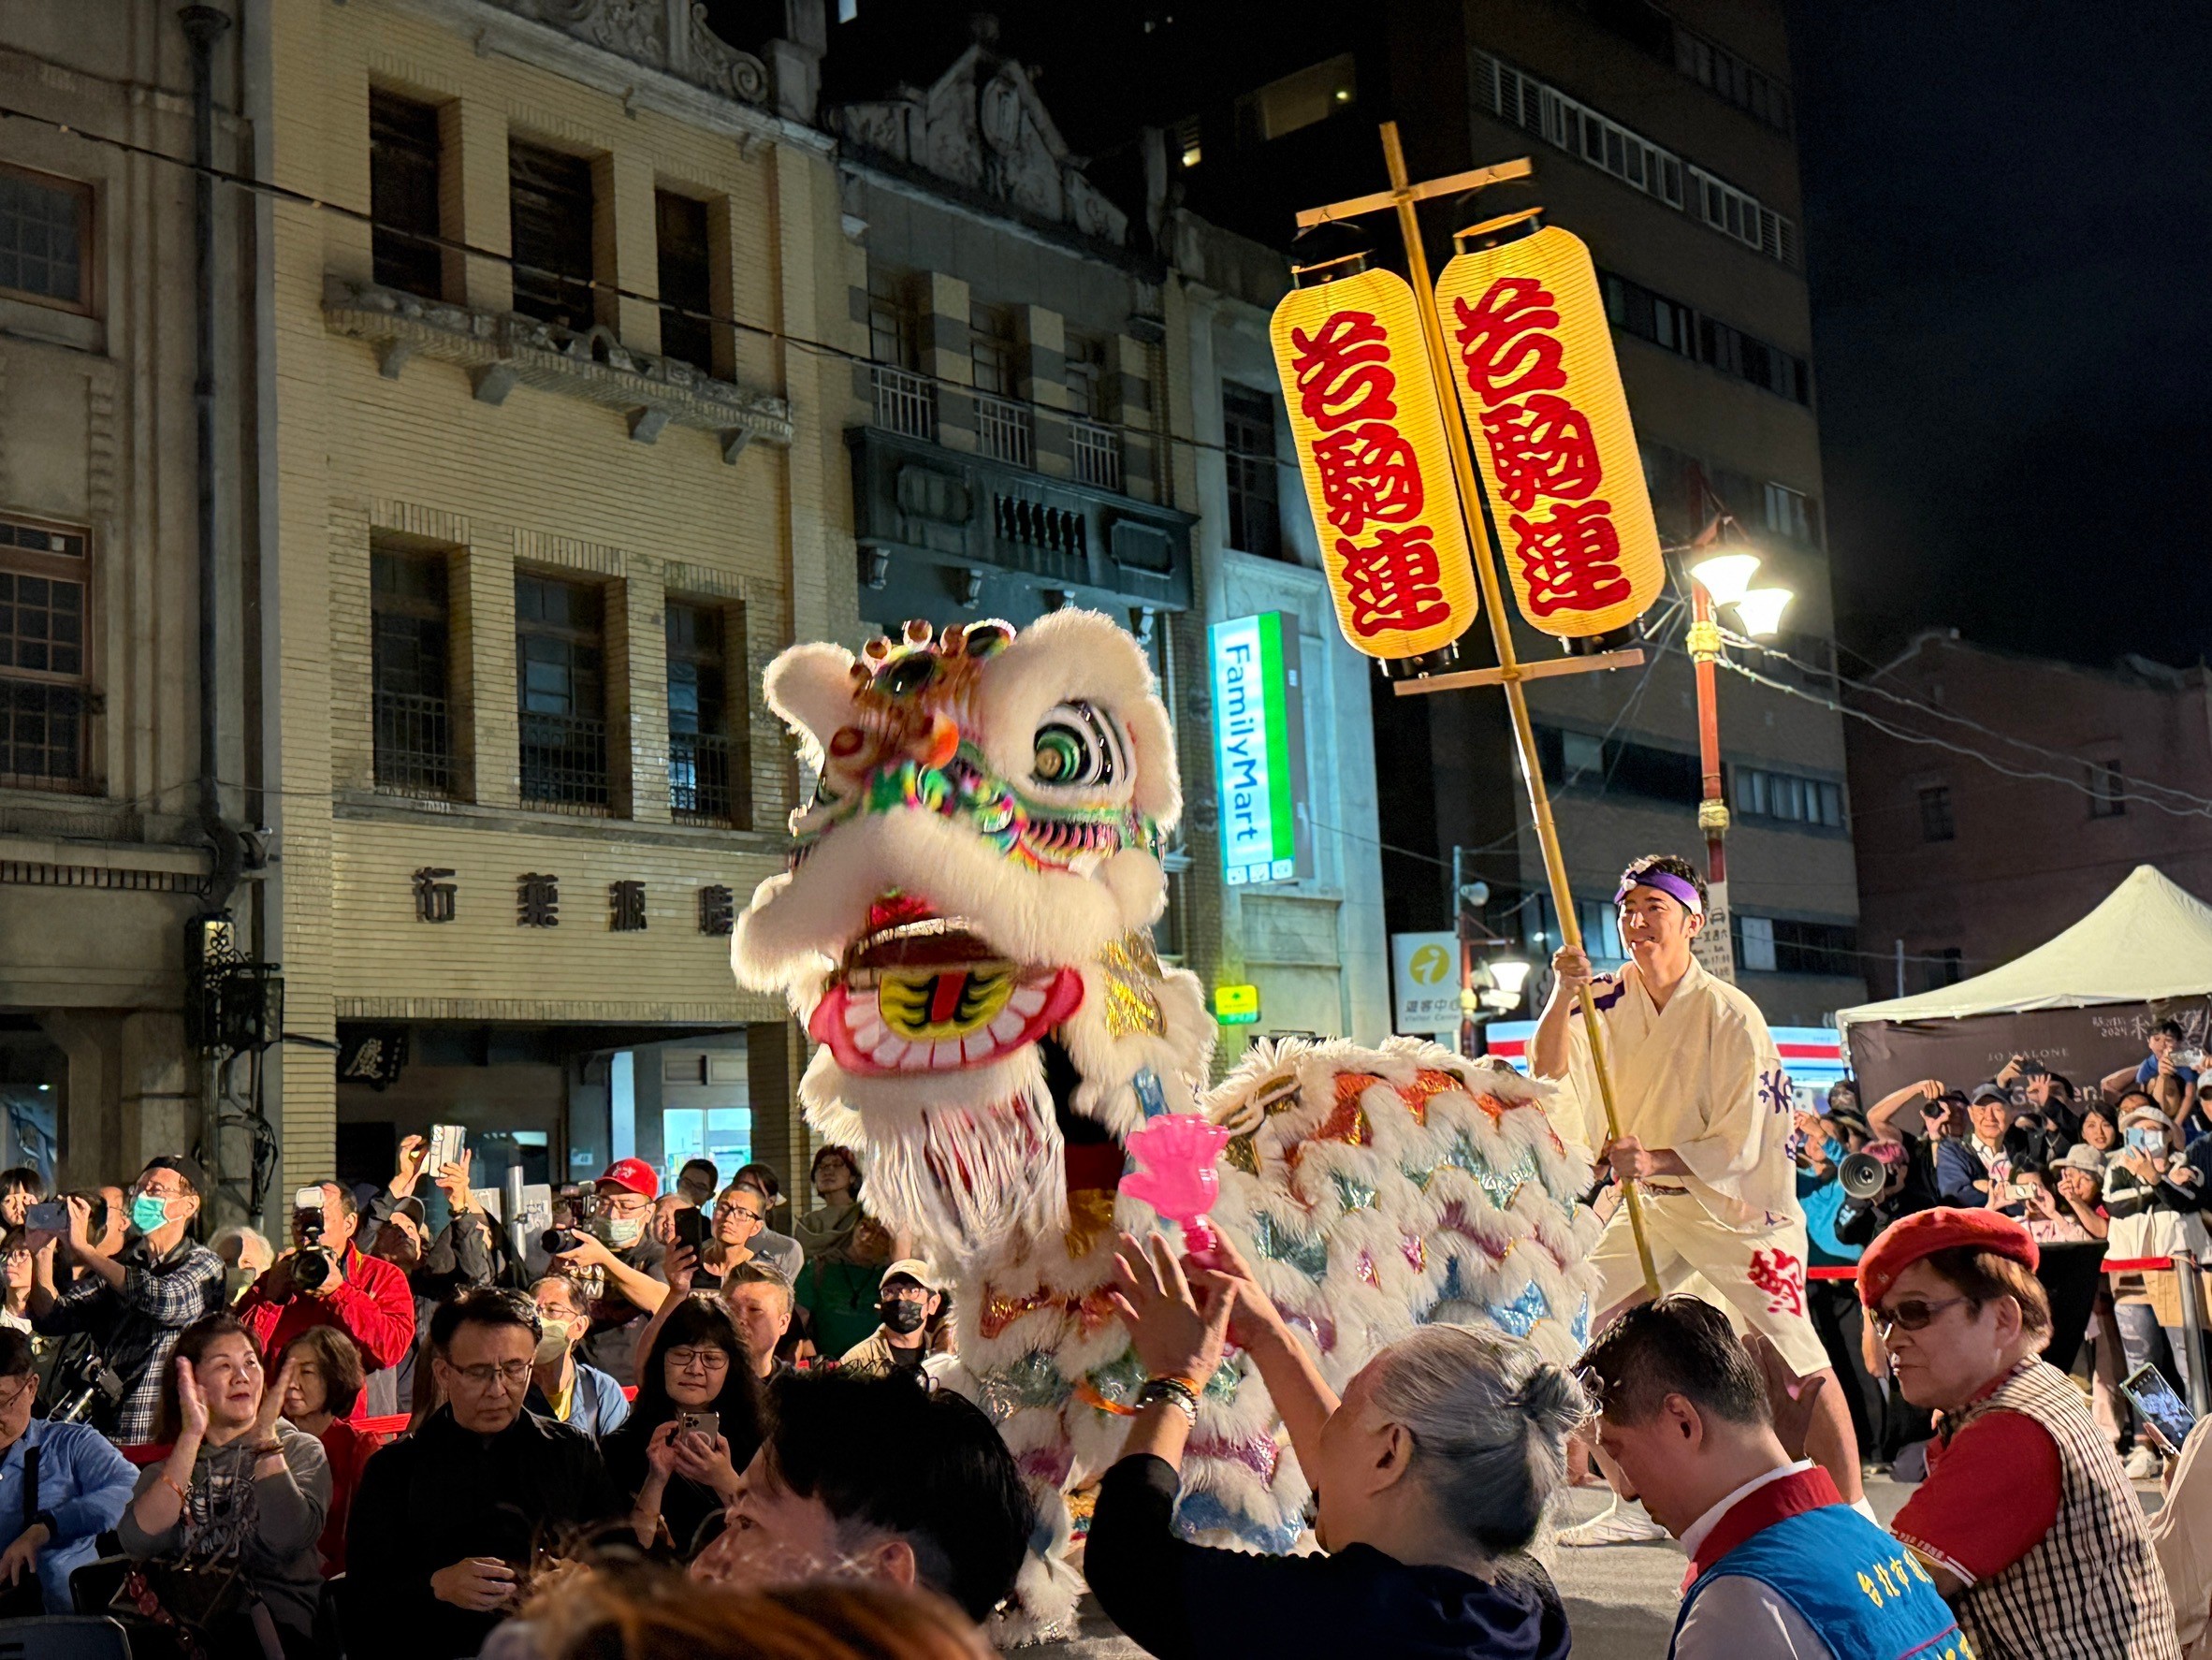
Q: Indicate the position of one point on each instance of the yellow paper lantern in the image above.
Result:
(1370, 447)
(1541, 393)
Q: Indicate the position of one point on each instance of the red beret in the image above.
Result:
(1908, 1239)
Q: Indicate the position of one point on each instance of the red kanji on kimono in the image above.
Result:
(1782, 1276)
(1506, 346)
(1368, 472)
(1344, 371)
(1541, 446)
(1394, 582)
(1572, 560)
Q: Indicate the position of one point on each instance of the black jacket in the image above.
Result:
(1176, 1599)
(445, 1493)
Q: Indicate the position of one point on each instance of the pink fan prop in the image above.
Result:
(1177, 1151)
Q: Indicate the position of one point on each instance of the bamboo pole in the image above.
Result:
(1403, 195)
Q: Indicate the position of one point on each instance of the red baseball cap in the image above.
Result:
(1908, 1239)
(635, 1174)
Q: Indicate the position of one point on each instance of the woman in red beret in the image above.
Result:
(2026, 1518)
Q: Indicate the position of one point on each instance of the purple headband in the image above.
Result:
(1674, 887)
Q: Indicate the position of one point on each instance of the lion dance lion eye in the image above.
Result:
(1077, 747)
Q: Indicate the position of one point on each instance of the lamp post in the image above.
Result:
(1723, 579)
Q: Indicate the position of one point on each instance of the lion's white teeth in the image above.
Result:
(1027, 1001)
(868, 1036)
(979, 1047)
(890, 1051)
(945, 1056)
(858, 1012)
(1009, 1027)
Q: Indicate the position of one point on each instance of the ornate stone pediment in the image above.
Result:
(982, 126)
(669, 34)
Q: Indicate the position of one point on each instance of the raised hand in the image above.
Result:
(192, 1404)
(454, 1180)
(1170, 1334)
(414, 1149)
(272, 1400)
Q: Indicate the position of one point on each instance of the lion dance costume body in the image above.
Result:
(965, 930)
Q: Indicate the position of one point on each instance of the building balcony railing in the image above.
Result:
(42, 736)
(1004, 431)
(706, 782)
(906, 402)
(934, 524)
(415, 745)
(1097, 451)
(564, 762)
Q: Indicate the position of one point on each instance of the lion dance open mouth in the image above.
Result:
(965, 931)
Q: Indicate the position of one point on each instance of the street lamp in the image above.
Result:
(1721, 579)
(1760, 611)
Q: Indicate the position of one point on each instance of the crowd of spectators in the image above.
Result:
(204, 1434)
(2123, 1161)
(669, 1411)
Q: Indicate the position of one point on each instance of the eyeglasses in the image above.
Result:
(150, 1191)
(627, 1204)
(698, 1359)
(736, 1210)
(1912, 1314)
(510, 1374)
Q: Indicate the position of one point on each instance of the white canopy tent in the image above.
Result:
(2149, 941)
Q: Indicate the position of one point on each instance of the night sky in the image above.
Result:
(2009, 209)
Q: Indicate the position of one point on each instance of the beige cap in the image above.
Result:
(913, 1268)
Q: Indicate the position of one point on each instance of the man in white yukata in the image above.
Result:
(1704, 1107)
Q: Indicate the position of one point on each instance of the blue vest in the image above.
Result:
(1858, 1589)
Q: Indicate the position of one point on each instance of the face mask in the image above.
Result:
(149, 1212)
(620, 1232)
(553, 1344)
(903, 1316)
(2144, 1138)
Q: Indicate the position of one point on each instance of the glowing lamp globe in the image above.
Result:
(1726, 576)
(1761, 609)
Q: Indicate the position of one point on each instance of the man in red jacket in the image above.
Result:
(364, 1297)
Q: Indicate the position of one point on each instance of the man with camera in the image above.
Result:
(617, 1261)
(134, 1303)
(62, 1485)
(326, 1280)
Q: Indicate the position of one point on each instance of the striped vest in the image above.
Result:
(2090, 1589)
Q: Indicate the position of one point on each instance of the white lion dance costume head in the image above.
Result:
(965, 930)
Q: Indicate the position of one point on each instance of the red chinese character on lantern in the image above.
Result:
(1504, 347)
(1394, 582)
(1368, 472)
(1343, 371)
(1541, 446)
(1782, 1276)
(1571, 561)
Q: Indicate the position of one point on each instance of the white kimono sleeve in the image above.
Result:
(1745, 1106)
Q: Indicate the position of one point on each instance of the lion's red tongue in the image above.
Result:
(896, 911)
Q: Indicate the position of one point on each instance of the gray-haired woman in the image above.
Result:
(1430, 1475)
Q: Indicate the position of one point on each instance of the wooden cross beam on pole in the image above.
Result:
(1510, 673)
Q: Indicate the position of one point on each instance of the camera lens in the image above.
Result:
(1863, 1175)
(555, 1240)
(311, 1268)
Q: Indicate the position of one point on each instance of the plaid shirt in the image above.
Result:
(2090, 1589)
(136, 1328)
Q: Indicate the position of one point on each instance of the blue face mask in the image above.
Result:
(149, 1212)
